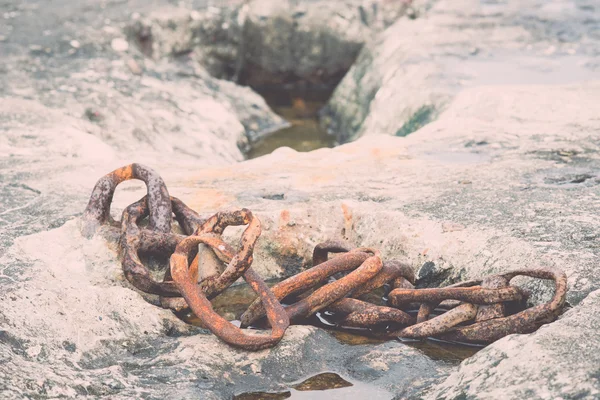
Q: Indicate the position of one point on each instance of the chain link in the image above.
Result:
(202, 266)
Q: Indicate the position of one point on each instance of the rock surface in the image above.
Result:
(505, 177)
(566, 362)
(131, 103)
(262, 42)
(408, 76)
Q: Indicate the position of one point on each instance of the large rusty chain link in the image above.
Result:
(203, 265)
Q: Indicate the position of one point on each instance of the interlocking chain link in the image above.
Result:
(202, 266)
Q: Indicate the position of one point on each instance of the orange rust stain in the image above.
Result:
(318, 178)
(347, 212)
(284, 219)
(209, 199)
(124, 173)
(212, 175)
(193, 271)
(348, 222)
(299, 107)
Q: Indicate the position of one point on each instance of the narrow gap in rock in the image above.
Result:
(299, 103)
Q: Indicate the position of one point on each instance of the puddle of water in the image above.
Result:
(438, 350)
(263, 396)
(450, 353)
(300, 107)
(324, 381)
(327, 385)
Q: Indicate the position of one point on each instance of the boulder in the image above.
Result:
(407, 76)
(265, 42)
(564, 355)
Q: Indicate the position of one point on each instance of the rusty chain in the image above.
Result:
(202, 266)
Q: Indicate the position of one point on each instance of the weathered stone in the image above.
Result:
(210, 36)
(514, 166)
(409, 75)
(71, 328)
(265, 42)
(314, 41)
(559, 361)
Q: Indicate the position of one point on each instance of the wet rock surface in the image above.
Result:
(505, 176)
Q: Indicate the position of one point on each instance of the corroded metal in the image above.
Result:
(97, 212)
(202, 266)
(441, 323)
(200, 305)
(491, 311)
(392, 271)
(358, 313)
(336, 290)
(523, 322)
(134, 270)
(476, 294)
(306, 280)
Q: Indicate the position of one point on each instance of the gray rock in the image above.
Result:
(410, 74)
(209, 35)
(559, 361)
(265, 41)
(71, 327)
(166, 110)
(505, 177)
(314, 41)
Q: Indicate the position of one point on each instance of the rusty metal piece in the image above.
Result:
(424, 311)
(391, 271)
(449, 304)
(211, 268)
(427, 308)
(209, 271)
(525, 321)
(188, 219)
(221, 220)
(135, 272)
(201, 306)
(476, 294)
(440, 324)
(306, 280)
(206, 267)
(134, 240)
(402, 283)
(322, 250)
(213, 278)
(97, 212)
(215, 265)
(336, 290)
(359, 313)
(241, 261)
(492, 311)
